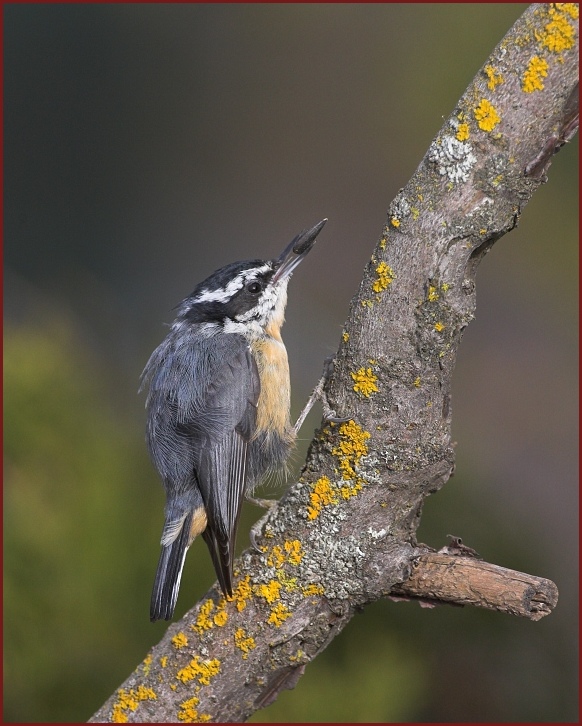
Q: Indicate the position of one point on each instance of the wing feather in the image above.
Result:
(202, 406)
(222, 469)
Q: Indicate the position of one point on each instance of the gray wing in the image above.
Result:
(222, 469)
(202, 409)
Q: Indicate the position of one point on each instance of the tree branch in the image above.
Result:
(344, 535)
(461, 580)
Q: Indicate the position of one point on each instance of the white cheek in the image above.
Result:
(277, 314)
(250, 329)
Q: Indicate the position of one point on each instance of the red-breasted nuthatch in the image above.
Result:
(218, 409)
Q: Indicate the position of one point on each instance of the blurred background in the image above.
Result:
(145, 146)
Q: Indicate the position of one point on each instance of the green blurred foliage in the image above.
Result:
(69, 463)
(358, 679)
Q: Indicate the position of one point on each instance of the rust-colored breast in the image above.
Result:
(274, 399)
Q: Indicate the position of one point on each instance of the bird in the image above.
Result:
(218, 410)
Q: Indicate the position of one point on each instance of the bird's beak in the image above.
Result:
(296, 250)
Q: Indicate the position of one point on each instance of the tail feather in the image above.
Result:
(168, 574)
(221, 559)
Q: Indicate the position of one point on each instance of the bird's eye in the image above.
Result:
(254, 288)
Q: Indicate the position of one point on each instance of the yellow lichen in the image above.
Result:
(179, 641)
(559, 34)
(322, 495)
(118, 716)
(494, 77)
(351, 447)
(365, 382)
(147, 663)
(463, 132)
(349, 450)
(395, 222)
(532, 78)
(417, 381)
(164, 661)
(385, 277)
(294, 551)
(276, 558)
(129, 701)
(201, 670)
(432, 293)
(367, 304)
(204, 619)
(382, 243)
(145, 694)
(299, 655)
(278, 615)
(270, 591)
(570, 9)
(345, 336)
(242, 593)
(289, 583)
(244, 642)
(439, 327)
(124, 703)
(312, 590)
(189, 714)
(220, 618)
(445, 286)
(347, 492)
(290, 552)
(486, 115)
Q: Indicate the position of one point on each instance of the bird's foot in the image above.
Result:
(319, 393)
(257, 527)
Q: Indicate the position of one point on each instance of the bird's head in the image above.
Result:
(247, 297)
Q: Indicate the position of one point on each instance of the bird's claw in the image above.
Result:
(332, 418)
(255, 531)
(319, 393)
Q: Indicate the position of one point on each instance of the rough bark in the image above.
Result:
(459, 579)
(344, 535)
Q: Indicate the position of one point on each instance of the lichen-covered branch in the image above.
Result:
(344, 535)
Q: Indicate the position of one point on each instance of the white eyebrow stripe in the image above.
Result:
(225, 294)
